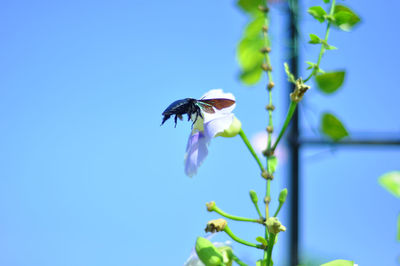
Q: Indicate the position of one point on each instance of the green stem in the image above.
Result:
(258, 211)
(279, 208)
(271, 243)
(238, 261)
(228, 231)
(248, 145)
(289, 115)
(322, 50)
(236, 218)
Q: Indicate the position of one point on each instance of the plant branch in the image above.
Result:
(248, 145)
(236, 218)
(228, 231)
(289, 115)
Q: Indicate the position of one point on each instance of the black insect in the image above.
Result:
(192, 106)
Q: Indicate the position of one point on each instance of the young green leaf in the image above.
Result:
(331, 81)
(289, 74)
(318, 13)
(207, 252)
(326, 1)
(252, 76)
(249, 6)
(314, 39)
(345, 18)
(272, 163)
(339, 263)
(262, 240)
(332, 127)
(391, 182)
(254, 27)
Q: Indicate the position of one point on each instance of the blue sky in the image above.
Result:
(88, 176)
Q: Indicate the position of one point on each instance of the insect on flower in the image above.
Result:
(192, 106)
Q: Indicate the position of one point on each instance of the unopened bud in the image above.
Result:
(274, 226)
(271, 84)
(207, 252)
(233, 129)
(210, 206)
(266, 67)
(264, 9)
(253, 196)
(265, 28)
(265, 50)
(270, 129)
(270, 107)
(217, 225)
(265, 174)
(282, 196)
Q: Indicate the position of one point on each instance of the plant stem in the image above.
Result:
(248, 145)
(289, 115)
(271, 243)
(258, 211)
(322, 50)
(236, 218)
(279, 208)
(228, 231)
(238, 261)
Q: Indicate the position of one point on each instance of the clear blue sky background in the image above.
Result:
(88, 176)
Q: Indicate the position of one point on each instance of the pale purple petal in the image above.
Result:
(196, 152)
(217, 125)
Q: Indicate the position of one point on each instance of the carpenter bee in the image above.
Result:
(192, 106)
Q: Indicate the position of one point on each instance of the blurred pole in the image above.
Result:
(292, 139)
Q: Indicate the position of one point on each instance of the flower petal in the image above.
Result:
(217, 125)
(196, 152)
(215, 94)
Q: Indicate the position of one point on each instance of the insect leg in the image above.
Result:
(176, 119)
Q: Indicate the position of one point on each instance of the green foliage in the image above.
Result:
(272, 163)
(326, 1)
(248, 52)
(262, 240)
(330, 82)
(208, 253)
(249, 6)
(345, 18)
(339, 263)
(332, 127)
(391, 182)
(314, 39)
(289, 74)
(318, 13)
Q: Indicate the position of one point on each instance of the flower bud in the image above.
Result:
(274, 226)
(217, 225)
(253, 196)
(207, 252)
(233, 130)
(282, 196)
(210, 206)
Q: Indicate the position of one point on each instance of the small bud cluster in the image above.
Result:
(300, 89)
(265, 174)
(274, 226)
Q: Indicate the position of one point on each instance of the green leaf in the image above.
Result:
(251, 77)
(314, 39)
(272, 163)
(330, 82)
(208, 253)
(332, 127)
(339, 263)
(391, 182)
(318, 13)
(311, 65)
(262, 240)
(398, 228)
(289, 74)
(345, 18)
(254, 27)
(249, 6)
(326, 1)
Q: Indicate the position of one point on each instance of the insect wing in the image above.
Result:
(219, 103)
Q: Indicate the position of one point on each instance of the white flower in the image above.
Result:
(220, 123)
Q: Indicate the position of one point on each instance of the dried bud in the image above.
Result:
(274, 226)
(270, 107)
(300, 89)
(265, 174)
(271, 84)
(282, 196)
(270, 129)
(264, 9)
(253, 196)
(265, 28)
(265, 50)
(266, 67)
(217, 225)
(210, 206)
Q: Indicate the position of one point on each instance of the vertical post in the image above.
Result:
(293, 140)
